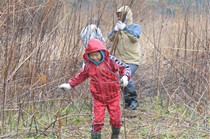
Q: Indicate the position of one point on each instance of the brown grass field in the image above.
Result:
(40, 48)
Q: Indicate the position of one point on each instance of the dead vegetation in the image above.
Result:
(40, 48)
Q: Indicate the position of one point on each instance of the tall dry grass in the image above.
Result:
(41, 48)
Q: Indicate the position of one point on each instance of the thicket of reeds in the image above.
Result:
(40, 48)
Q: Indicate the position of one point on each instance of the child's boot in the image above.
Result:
(115, 133)
(96, 135)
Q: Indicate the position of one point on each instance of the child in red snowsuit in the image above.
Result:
(104, 71)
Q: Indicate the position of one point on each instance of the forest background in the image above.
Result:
(40, 48)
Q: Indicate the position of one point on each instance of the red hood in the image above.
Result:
(93, 46)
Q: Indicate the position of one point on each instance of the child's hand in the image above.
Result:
(124, 81)
(65, 86)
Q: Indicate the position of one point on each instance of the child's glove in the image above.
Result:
(83, 65)
(121, 25)
(124, 81)
(65, 86)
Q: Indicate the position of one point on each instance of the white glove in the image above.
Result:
(124, 81)
(65, 86)
(116, 28)
(83, 65)
(121, 25)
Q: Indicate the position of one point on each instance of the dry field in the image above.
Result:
(40, 48)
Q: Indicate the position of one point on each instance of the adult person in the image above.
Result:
(127, 35)
(91, 31)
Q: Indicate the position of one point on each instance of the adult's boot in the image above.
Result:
(134, 104)
(96, 135)
(115, 133)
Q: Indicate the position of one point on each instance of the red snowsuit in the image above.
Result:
(104, 85)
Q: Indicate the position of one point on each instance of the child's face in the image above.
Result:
(96, 56)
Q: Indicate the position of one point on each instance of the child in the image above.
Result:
(103, 70)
